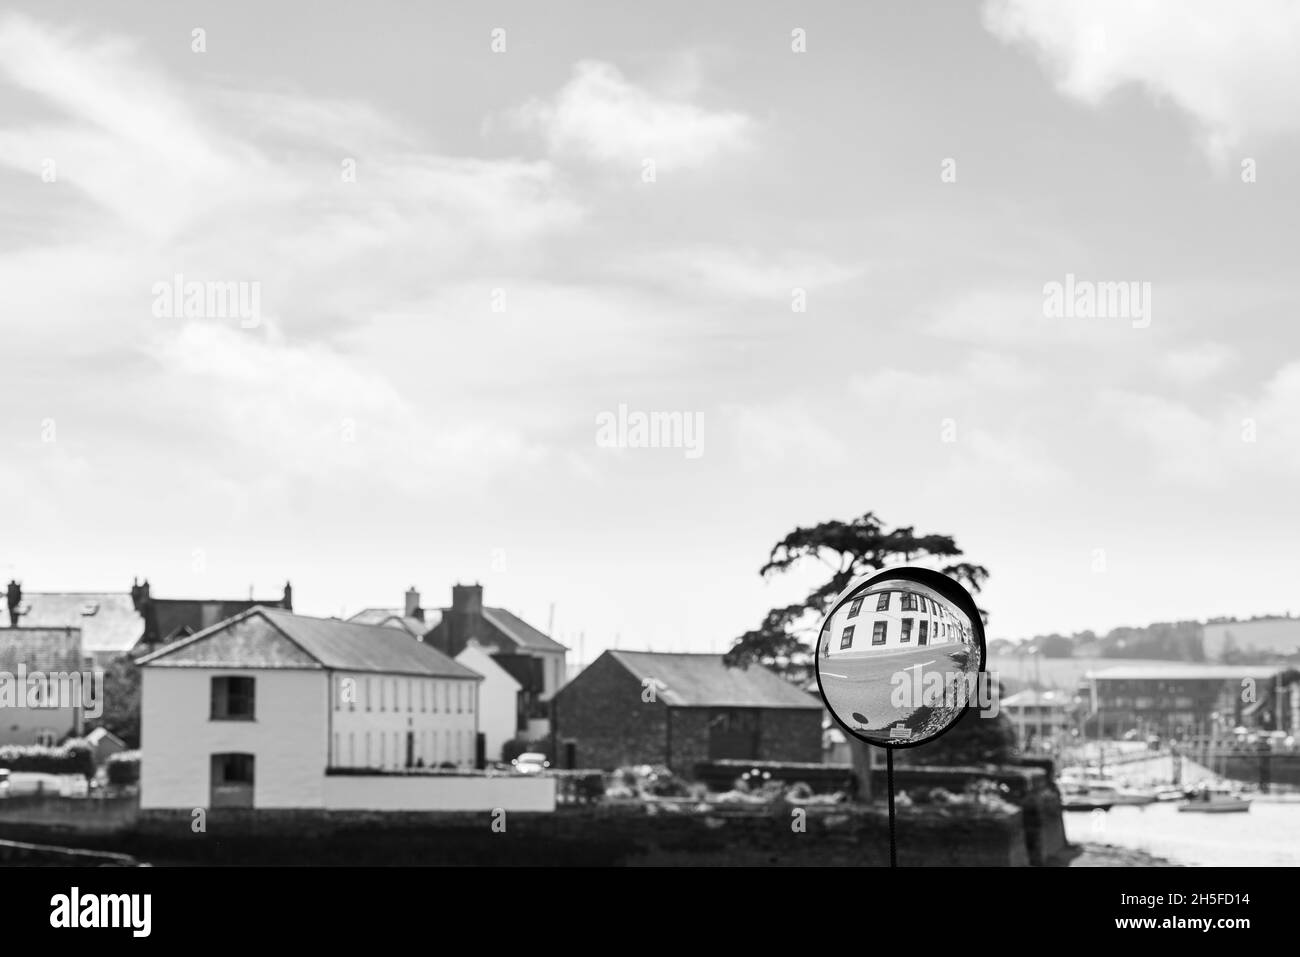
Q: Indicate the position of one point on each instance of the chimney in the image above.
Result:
(413, 609)
(467, 599)
(15, 596)
(287, 601)
(463, 621)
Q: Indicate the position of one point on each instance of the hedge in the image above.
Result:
(123, 767)
(72, 757)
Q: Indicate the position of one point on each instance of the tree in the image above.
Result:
(783, 641)
(786, 638)
(122, 701)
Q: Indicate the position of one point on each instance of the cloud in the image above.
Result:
(788, 433)
(1232, 67)
(156, 178)
(1241, 438)
(1197, 363)
(312, 412)
(601, 116)
(738, 273)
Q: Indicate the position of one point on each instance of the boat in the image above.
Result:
(1088, 790)
(1103, 795)
(1215, 801)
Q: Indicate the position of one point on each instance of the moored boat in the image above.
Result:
(1215, 801)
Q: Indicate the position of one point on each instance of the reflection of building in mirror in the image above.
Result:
(893, 616)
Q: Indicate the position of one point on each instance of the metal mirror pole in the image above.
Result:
(889, 783)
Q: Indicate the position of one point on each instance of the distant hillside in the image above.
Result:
(1161, 641)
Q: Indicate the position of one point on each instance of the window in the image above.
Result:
(446, 696)
(367, 749)
(855, 608)
(232, 698)
(909, 602)
(923, 635)
(846, 639)
(878, 633)
(433, 696)
(883, 603)
(352, 749)
(383, 695)
(383, 749)
(367, 703)
(907, 631)
(410, 695)
(473, 692)
(46, 738)
(396, 703)
(231, 780)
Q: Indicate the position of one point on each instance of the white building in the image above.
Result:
(269, 709)
(893, 615)
(498, 699)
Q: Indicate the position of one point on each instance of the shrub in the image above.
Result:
(74, 756)
(123, 768)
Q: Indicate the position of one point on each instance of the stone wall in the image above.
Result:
(782, 835)
(603, 712)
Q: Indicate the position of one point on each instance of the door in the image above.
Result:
(231, 780)
(733, 734)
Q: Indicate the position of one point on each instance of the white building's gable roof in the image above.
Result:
(477, 659)
(273, 638)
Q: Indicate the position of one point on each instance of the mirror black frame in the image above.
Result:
(950, 589)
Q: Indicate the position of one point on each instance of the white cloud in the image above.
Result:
(744, 273)
(600, 115)
(1242, 438)
(1196, 363)
(1232, 67)
(312, 412)
(788, 433)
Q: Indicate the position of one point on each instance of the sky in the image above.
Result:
(822, 233)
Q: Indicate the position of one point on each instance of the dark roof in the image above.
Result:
(324, 643)
(175, 615)
(108, 621)
(519, 631)
(40, 649)
(695, 680)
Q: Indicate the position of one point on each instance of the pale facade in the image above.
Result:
(893, 618)
(498, 695)
(397, 721)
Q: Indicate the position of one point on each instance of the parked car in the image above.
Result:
(531, 762)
